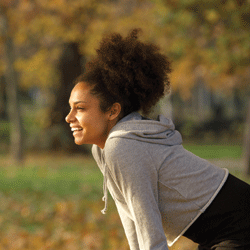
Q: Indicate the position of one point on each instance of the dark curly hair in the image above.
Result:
(127, 71)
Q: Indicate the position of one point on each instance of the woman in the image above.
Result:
(161, 190)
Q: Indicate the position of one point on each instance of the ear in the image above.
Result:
(114, 111)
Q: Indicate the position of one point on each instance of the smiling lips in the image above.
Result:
(76, 129)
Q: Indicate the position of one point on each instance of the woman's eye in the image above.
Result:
(80, 108)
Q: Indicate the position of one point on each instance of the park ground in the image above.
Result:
(53, 201)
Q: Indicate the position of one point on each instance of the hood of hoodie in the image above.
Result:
(136, 127)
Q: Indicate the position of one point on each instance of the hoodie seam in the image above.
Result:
(176, 191)
(184, 197)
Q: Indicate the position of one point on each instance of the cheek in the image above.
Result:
(83, 120)
(99, 128)
(90, 126)
(93, 123)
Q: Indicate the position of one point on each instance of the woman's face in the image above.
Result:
(88, 123)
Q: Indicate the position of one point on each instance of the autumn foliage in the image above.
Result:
(36, 223)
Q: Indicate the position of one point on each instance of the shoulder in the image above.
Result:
(122, 146)
(124, 152)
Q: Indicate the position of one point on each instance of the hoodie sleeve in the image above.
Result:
(135, 175)
(129, 228)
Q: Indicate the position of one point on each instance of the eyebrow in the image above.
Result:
(74, 103)
(79, 102)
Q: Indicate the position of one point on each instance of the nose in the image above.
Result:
(70, 117)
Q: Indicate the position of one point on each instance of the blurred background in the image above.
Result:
(50, 188)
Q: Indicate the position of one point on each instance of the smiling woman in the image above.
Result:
(161, 190)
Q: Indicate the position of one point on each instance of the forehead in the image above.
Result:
(81, 92)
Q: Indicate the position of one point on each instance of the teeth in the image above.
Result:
(76, 129)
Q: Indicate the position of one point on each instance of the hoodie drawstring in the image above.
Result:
(105, 191)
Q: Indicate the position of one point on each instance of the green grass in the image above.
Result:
(215, 151)
(60, 175)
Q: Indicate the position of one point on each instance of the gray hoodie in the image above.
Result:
(159, 188)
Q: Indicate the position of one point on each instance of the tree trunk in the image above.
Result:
(16, 135)
(247, 139)
(70, 67)
(3, 114)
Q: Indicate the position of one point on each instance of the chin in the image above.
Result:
(79, 142)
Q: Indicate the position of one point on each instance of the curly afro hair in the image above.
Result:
(127, 71)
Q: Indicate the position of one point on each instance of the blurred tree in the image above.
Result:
(191, 32)
(213, 35)
(39, 29)
(70, 66)
(16, 128)
(3, 114)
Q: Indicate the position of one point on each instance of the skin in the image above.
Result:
(92, 124)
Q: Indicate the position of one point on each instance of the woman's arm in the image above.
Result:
(134, 174)
(129, 228)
